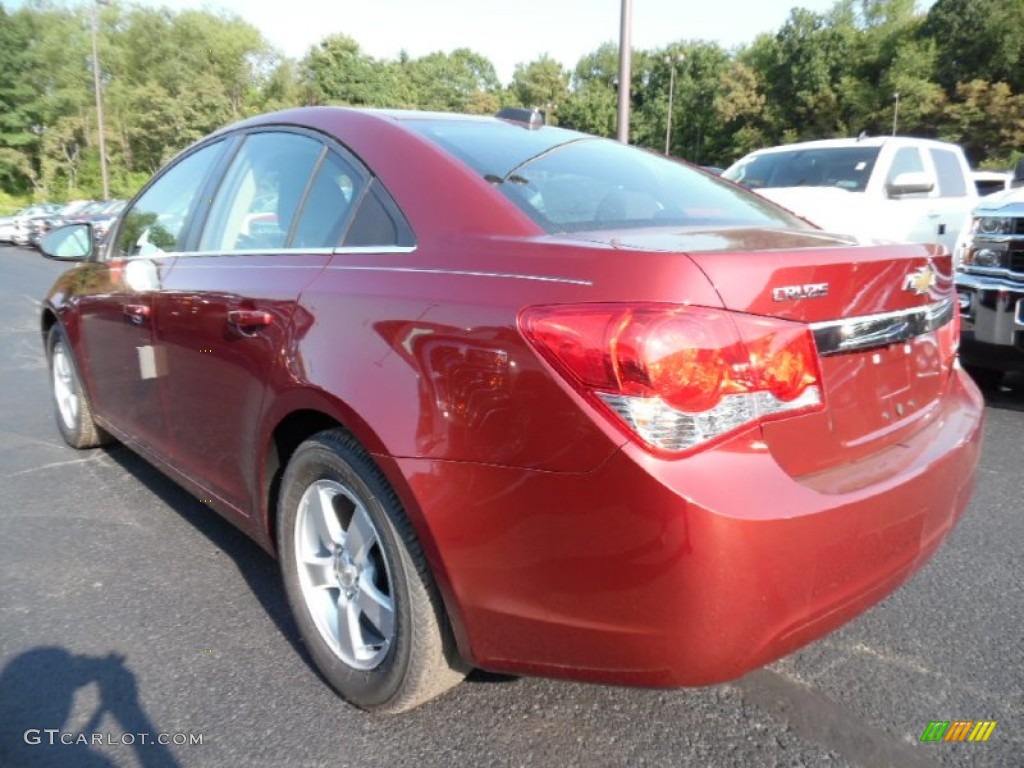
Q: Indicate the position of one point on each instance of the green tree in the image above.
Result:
(592, 102)
(336, 71)
(697, 130)
(801, 68)
(18, 103)
(977, 40)
(988, 119)
(460, 81)
(541, 84)
(740, 105)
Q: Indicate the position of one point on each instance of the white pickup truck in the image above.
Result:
(876, 188)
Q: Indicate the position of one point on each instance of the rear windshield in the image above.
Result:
(570, 182)
(845, 167)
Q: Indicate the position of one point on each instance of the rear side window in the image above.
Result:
(255, 205)
(156, 221)
(378, 223)
(951, 175)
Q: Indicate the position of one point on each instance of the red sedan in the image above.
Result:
(515, 397)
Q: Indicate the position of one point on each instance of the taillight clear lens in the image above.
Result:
(678, 376)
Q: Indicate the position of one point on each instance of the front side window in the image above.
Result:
(156, 221)
(255, 205)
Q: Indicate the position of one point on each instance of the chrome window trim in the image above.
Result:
(260, 252)
(357, 249)
(340, 251)
(834, 337)
(464, 273)
(141, 257)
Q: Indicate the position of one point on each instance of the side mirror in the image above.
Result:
(71, 243)
(910, 183)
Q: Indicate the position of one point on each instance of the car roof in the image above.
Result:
(313, 116)
(867, 141)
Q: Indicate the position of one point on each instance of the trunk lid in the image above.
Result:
(884, 319)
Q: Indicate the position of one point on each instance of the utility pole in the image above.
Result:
(625, 63)
(99, 95)
(671, 61)
(896, 112)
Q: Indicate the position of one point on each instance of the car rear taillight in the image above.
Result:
(679, 377)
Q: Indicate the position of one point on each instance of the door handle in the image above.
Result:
(249, 319)
(137, 312)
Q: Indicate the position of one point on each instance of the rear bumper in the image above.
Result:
(992, 313)
(687, 572)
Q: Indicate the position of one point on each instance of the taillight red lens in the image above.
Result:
(678, 375)
(687, 358)
(783, 357)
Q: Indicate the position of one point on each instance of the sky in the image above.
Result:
(505, 31)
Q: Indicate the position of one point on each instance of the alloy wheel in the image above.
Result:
(343, 574)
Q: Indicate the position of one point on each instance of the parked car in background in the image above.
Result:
(40, 225)
(990, 182)
(14, 229)
(485, 388)
(990, 283)
(105, 218)
(7, 226)
(100, 214)
(890, 188)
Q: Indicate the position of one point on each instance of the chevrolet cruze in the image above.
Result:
(509, 396)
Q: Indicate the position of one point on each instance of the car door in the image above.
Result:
(115, 305)
(225, 311)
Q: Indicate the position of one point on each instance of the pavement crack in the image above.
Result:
(40, 468)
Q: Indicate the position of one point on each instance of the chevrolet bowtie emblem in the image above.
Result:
(921, 282)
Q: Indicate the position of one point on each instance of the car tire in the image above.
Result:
(71, 405)
(985, 378)
(357, 581)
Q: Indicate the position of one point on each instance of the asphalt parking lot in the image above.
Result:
(127, 607)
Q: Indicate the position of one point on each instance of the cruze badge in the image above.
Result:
(795, 292)
(920, 282)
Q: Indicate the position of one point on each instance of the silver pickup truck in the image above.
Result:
(990, 283)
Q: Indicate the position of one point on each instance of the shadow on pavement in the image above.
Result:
(1008, 394)
(256, 566)
(37, 692)
(259, 569)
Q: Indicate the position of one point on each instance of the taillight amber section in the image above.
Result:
(679, 376)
